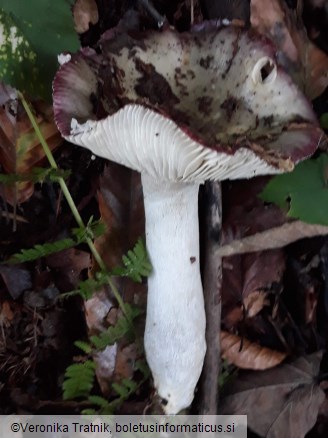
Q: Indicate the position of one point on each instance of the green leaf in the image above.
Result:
(92, 230)
(121, 390)
(79, 380)
(81, 235)
(136, 263)
(131, 385)
(38, 174)
(32, 34)
(115, 333)
(303, 192)
(89, 412)
(142, 366)
(111, 335)
(38, 251)
(98, 401)
(88, 287)
(84, 346)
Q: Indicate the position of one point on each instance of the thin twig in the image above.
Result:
(208, 401)
(13, 216)
(276, 237)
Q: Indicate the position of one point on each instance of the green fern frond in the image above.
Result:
(89, 412)
(84, 346)
(141, 365)
(108, 408)
(124, 389)
(136, 263)
(88, 287)
(121, 390)
(115, 333)
(131, 385)
(37, 174)
(79, 380)
(92, 230)
(39, 251)
(98, 401)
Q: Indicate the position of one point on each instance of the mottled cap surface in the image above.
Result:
(207, 104)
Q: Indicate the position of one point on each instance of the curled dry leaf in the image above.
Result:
(6, 314)
(247, 277)
(245, 213)
(125, 360)
(255, 302)
(248, 355)
(280, 402)
(122, 211)
(97, 311)
(245, 280)
(105, 366)
(68, 265)
(84, 13)
(302, 59)
(20, 149)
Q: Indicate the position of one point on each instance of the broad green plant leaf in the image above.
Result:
(32, 34)
(303, 192)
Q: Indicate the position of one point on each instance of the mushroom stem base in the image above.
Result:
(175, 325)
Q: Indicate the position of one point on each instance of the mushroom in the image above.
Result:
(182, 108)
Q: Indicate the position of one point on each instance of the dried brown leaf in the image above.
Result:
(121, 207)
(245, 213)
(303, 60)
(6, 314)
(125, 360)
(97, 311)
(20, 149)
(85, 12)
(105, 366)
(244, 277)
(68, 265)
(281, 402)
(255, 302)
(248, 355)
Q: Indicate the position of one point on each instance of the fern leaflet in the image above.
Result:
(37, 174)
(120, 329)
(84, 346)
(93, 229)
(136, 263)
(79, 379)
(88, 287)
(38, 251)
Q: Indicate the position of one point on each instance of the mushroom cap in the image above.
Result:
(209, 104)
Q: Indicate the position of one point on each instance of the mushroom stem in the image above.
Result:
(175, 325)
